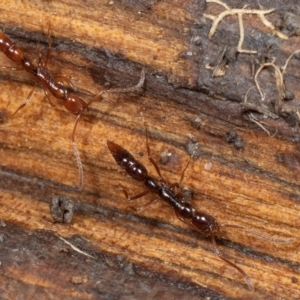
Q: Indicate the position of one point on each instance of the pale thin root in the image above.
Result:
(215, 70)
(242, 36)
(233, 12)
(259, 109)
(246, 95)
(254, 120)
(276, 129)
(262, 95)
(75, 248)
(207, 16)
(272, 27)
(288, 60)
(240, 12)
(279, 80)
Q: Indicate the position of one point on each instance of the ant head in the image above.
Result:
(75, 104)
(205, 223)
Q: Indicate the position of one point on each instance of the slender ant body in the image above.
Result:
(58, 87)
(201, 221)
(72, 102)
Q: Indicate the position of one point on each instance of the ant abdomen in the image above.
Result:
(10, 49)
(127, 162)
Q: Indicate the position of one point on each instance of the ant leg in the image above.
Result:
(18, 68)
(174, 185)
(27, 99)
(217, 251)
(137, 197)
(134, 197)
(178, 185)
(181, 218)
(65, 81)
(48, 98)
(141, 208)
(184, 194)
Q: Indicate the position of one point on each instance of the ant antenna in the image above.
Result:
(283, 241)
(188, 163)
(161, 178)
(26, 101)
(117, 90)
(217, 251)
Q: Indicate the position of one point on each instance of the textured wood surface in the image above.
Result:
(149, 254)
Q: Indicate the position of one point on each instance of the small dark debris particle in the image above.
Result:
(288, 96)
(197, 41)
(61, 209)
(107, 84)
(196, 123)
(141, 154)
(187, 193)
(232, 137)
(294, 280)
(193, 148)
(239, 144)
(291, 118)
(290, 24)
(165, 157)
(231, 54)
(266, 55)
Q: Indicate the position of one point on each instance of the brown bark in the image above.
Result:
(252, 182)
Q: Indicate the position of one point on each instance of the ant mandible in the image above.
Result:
(56, 86)
(201, 221)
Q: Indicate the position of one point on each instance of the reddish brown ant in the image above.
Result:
(201, 221)
(56, 86)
